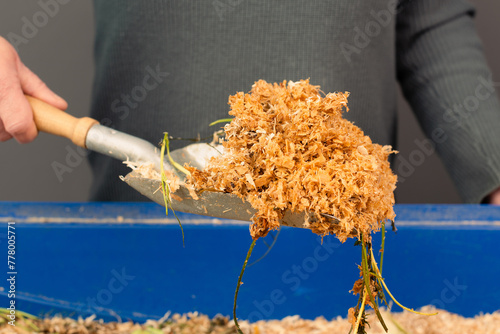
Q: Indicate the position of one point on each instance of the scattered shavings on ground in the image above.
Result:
(288, 147)
(193, 323)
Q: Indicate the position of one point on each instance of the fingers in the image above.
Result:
(33, 86)
(16, 116)
(4, 135)
(15, 111)
(16, 80)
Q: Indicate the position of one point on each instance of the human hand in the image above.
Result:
(494, 197)
(16, 80)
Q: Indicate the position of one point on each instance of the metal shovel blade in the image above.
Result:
(209, 203)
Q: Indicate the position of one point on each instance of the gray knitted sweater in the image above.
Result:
(170, 65)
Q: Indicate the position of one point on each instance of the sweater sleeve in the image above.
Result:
(444, 76)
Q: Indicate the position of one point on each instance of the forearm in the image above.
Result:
(444, 76)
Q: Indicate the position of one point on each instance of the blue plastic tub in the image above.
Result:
(126, 261)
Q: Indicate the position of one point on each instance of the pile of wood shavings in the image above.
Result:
(288, 148)
(194, 323)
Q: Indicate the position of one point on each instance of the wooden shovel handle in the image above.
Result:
(57, 122)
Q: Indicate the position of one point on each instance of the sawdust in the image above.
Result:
(288, 148)
(194, 323)
(145, 170)
(148, 171)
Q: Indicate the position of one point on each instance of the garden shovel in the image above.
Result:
(88, 133)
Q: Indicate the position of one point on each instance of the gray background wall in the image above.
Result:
(61, 54)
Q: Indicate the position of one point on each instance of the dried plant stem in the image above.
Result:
(223, 120)
(26, 317)
(269, 247)
(360, 313)
(366, 278)
(382, 246)
(381, 281)
(164, 184)
(239, 283)
(382, 250)
(166, 143)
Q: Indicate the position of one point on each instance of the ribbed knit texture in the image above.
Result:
(212, 49)
(444, 76)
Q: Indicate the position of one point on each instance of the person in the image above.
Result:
(170, 66)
